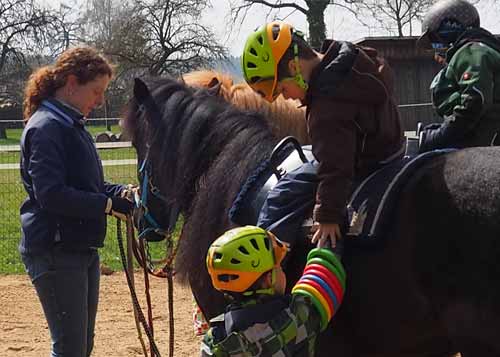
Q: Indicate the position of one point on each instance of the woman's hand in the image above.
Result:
(129, 192)
(325, 231)
(119, 207)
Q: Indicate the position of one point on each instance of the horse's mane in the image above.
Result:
(208, 79)
(284, 116)
(199, 140)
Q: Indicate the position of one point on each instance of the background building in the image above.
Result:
(414, 69)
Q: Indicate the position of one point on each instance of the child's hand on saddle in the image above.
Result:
(326, 235)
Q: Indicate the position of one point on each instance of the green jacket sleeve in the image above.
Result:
(473, 68)
(292, 330)
(462, 93)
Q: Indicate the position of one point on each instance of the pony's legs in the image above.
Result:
(210, 301)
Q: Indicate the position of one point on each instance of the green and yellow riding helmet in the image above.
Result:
(263, 50)
(240, 256)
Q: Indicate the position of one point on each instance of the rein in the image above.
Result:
(139, 251)
(137, 307)
(149, 229)
(147, 225)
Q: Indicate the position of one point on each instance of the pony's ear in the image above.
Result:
(213, 82)
(141, 91)
(214, 86)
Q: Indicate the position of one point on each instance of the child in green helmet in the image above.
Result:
(260, 320)
(352, 115)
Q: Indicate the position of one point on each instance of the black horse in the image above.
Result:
(433, 288)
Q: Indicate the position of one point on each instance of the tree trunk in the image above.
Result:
(316, 21)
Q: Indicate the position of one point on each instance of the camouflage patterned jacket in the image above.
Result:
(280, 327)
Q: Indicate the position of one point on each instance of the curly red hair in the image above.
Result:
(83, 62)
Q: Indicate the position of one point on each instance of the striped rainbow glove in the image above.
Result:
(323, 281)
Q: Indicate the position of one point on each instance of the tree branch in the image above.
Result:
(279, 5)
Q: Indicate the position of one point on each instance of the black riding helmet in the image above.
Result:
(455, 12)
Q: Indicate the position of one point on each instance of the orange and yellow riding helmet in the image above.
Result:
(262, 53)
(240, 256)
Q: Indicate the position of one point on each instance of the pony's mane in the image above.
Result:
(209, 78)
(199, 140)
(284, 116)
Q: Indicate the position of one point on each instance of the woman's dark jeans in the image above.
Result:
(68, 288)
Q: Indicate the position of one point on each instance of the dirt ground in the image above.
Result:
(23, 330)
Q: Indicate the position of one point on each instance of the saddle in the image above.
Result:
(283, 203)
(288, 155)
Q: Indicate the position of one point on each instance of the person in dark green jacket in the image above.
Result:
(466, 92)
(245, 264)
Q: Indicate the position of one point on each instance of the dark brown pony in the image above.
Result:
(285, 118)
(430, 289)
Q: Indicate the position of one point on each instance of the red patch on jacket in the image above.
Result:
(466, 76)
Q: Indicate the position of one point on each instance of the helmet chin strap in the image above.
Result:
(299, 79)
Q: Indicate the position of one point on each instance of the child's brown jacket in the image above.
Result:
(353, 121)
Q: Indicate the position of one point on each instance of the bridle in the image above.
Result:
(148, 227)
(147, 224)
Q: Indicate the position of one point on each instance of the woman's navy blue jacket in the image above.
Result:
(63, 176)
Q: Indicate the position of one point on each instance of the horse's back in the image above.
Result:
(458, 244)
(434, 282)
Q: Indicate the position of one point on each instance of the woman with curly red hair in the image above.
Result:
(63, 219)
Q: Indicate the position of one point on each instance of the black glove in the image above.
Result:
(120, 207)
(431, 137)
(433, 126)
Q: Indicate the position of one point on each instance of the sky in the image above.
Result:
(341, 25)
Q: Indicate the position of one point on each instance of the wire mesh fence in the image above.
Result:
(120, 166)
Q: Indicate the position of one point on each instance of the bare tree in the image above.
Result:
(176, 41)
(149, 37)
(314, 10)
(395, 17)
(100, 19)
(64, 30)
(21, 25)
(157, 36)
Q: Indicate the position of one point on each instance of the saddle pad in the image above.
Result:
(375, 199)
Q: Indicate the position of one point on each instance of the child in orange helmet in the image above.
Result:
(245, 264)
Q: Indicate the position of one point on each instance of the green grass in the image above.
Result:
(14, 135)
(11, 196)
(105, 154)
